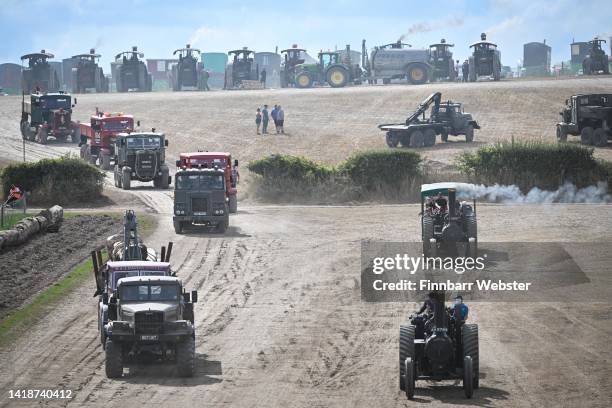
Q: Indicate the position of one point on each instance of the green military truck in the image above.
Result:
(200, 200)
(141, 156)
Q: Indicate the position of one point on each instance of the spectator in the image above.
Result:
(258, 119)
(205, 76)
(264, 120)
(262, 78)
(280, 120)
(274, 115)
(466, 70)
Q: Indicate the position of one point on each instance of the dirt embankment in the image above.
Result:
(27, 269)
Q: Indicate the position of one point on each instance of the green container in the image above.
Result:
(214, 61)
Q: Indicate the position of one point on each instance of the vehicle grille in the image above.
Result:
(199, 205)
(146, 164)
(149, 322)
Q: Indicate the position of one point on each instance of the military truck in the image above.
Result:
(38, 76)
(132, 73)
(445, 119)
(292, 58)
(587, 115)
(152, 314)
(87, 74)
(447, 225)
(242, 69)
(596, 61)
(331, 69)
(438, 345)
(485, 60)
(48, 114)
(141, 156)
(200, 200)
(187, 73)
(396, 61)
(441, 59)
(98, 136)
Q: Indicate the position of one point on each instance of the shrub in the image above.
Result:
(282, 166)
(381, 168)
(65, 180)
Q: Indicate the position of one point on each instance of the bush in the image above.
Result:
(289, 167)
(534, 164)
(383, 167)
(66, 180)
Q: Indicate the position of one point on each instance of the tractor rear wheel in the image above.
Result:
(416, 139)
(600, 138)
(429, 137)
(406, 350)
(126, 178)
(337, 77)
(469, 134)
(392, 139)
(561, 134)
(303, 80)
(586, 136)
(469, 340)
(417, 74)
(114, 359)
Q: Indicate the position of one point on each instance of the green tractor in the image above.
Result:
(331, 69)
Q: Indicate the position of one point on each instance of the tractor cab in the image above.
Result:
(596, 61)
(327, 58)
(129, 56)
(87, 59)
(87, 73)
(187, 73)
(293, 56)
(441, 58)
(244, 67)
(485, 60)
(187, 53)
(441, 50)
(38, 75)
(132, 73)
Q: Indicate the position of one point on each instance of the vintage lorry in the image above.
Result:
(98, 136)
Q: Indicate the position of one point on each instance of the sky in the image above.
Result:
(69, 27)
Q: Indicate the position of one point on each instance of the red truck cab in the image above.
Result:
(98, 136)
(220, 160)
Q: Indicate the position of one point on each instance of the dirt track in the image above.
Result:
(280, 320)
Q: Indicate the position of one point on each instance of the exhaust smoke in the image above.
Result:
(567, 193)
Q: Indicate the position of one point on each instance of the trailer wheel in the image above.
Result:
(416, 139)
(392, 139)
(406, 350)
(600, 138)
(469, 333)
(469, 134)
(114, 359)
(429, 137)
(468, 377)
(586, 136)
(303, 80)
(561, 134)
(417, 74)
(185, 357)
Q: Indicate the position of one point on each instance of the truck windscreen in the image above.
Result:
(143, 142)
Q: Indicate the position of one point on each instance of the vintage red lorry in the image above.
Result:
(97, 136)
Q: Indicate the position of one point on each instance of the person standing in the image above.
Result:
(264, 120)
(466, 70)
(457, 70)
(205, 76)
(262, 78)
(258, 119)
(274, 115)
(280, 120)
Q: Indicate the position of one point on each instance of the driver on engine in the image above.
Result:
(460, 310)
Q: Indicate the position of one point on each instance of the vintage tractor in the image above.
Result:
(447, 225)
(48, 114)
(396, 61)
(589, 116)
(242, 69)
(330, 69)
(596, 61)
(87, 74)
(216, 160)
(292, 58)
(199, 199)
(141, 156)
(441, 59)
(98, 136)
(187, 73)
(438, 345)
(445, 119)
(38, 76)
(127, 256)
(485, 60)
(132, 73)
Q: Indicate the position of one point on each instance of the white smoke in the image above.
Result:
(508, 24)
(202, 33)
(427, 26)
(567, 193)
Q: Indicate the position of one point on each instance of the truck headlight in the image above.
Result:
(179, 209)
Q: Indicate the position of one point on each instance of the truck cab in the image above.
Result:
(48, 114)
(98, 136)
(200, 199)
(141, 156)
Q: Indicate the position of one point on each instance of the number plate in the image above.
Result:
(149, 337)
(199, 213)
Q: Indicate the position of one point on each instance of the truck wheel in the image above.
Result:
(472, 70)
(114, 359)
(600, 138)
(185, 357)
(223, 225)
(444, 136)
(416, 139)
(406, 350)
(409, 382)
(178, 227)
(469, 134)
(427, 233)
(386, 81)
(164, 183)
(561, 134)
(586, 136)
(233, 204)
(126, 178)
(303, 80)
(103, 319)
(417, 74)
(472, 231)
(76, 134)
(337, 77)
(469, 333)
(468, 377)
(41, 135)
(392, 139)
(429, 137)
(26, 131)
(117, 177)
(105, 159)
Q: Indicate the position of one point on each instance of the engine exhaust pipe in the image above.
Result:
(168, 252)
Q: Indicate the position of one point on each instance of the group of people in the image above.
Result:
(262, 117)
